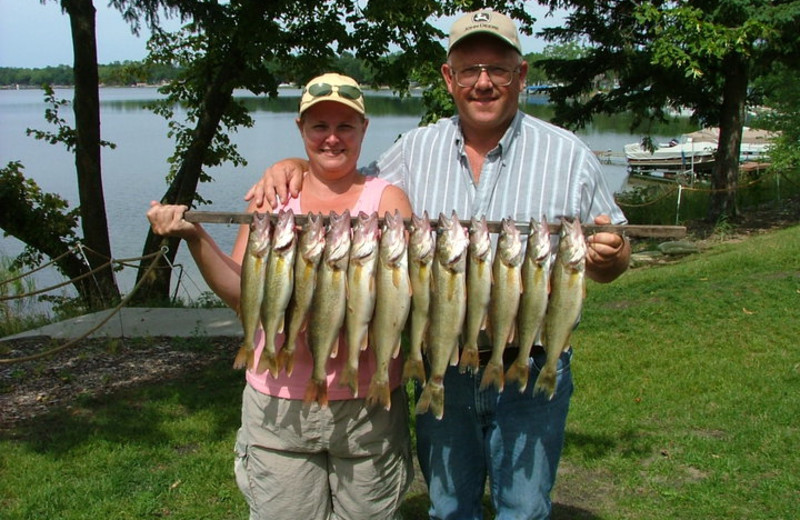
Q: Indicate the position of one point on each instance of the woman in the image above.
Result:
(297, 460)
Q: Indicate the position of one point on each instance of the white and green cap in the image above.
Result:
(485, 22)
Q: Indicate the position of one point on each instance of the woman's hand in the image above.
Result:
(167, 220)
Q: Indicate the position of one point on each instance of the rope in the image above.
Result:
(68, 282)
(48, 264)
(114, 311)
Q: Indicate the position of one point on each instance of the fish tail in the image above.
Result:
(431, 399)
(317, 391)
(269, 362)
(492, 375)
(379, 394)
(414, 369)
(546, 382)
(350, 378)
(244, 358)
(285, 360)
(469, 360)
(518, 372)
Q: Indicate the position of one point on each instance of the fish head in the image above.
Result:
(284, 234)
(312, 238)
(452, 243)
(365, 235)
(539, 245)
(509, 245)
(572, 245)
(480, 244)
(393, 238)
(258, 242)
(421, 240)
(337, 239)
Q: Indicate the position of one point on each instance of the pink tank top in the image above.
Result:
(294, 387)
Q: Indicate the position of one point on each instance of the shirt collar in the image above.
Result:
(505, 142)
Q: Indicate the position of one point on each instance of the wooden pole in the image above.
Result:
(630, 230)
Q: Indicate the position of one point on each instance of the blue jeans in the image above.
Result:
(513, 438)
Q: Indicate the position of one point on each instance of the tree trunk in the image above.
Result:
(725, 175)
(87, 151)
(184, 186)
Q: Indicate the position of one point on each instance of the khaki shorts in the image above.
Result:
(347, 461)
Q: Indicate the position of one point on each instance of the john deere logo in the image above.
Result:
(481, 17)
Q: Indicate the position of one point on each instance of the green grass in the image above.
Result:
(686, 406)
(687, 381)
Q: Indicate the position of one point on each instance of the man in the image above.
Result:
(495, 161)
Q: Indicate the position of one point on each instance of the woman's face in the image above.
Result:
(332, 134)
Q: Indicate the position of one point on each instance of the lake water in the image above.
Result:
(134, 173)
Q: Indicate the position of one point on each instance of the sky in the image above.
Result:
(33, 35)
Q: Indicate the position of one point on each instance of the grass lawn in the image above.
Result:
(686, 406)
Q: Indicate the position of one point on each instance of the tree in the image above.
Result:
(227, 46)
(32, 210)
(664, 54)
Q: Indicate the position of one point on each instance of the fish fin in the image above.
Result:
(492, 375)
(396, 351)
(242, 358)
(431, 399)
(469, 360)
(268, 361)
(281, 323)
(316, 391)
(335, 349)
(349, 378)
(454, 356)
(546, 382)
(285, 360)
(379, 394)
(414, 369)
(518, 372)
(364, 342)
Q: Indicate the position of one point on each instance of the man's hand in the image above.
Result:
(280, 181)
(607, 254)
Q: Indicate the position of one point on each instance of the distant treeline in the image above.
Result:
(113, 74)
(130, 73)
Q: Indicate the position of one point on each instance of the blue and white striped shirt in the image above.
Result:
(537, 169)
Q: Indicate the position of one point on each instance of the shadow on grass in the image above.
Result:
(140, 414)
(415, 507)
(631, 444)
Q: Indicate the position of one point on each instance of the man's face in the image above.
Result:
(483, 99)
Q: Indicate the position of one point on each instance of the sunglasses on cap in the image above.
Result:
(326, 89)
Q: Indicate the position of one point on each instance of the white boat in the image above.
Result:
(695, 151)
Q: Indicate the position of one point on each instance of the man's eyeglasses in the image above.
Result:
(326, 89)
(500, 76)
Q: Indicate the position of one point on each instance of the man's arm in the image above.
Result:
(280, 181)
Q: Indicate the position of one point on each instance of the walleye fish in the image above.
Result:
(567, 290)
(448, 307)
(328, 305)
(311, 243)
(254, 268)
(392, 307)
(532, 306)
(277, 289)
(360, 293)
(506, 291)
(421, 249)
(479, 287)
